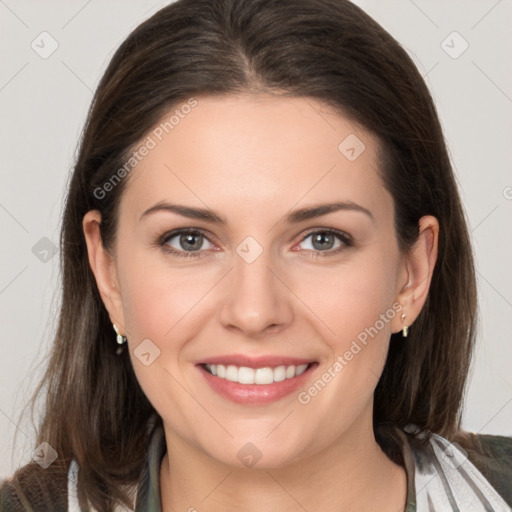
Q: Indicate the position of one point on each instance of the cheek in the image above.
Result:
(159, 299)
(161, 304)
(356, 305)
(351, 297)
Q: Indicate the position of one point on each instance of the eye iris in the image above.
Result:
(188, 239)
(322, 237)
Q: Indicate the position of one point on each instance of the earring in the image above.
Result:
(121, 340)
(405, 329)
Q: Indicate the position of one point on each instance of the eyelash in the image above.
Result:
(163, 240)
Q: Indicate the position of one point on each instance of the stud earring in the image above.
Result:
(121, 340)
(405, 329)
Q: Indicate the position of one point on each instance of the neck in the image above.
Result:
(352, 474)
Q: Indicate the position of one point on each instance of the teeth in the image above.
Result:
(232, 373)
(245, 375)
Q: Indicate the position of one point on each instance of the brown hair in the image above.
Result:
(329, 50)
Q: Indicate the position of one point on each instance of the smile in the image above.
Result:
(256, 381)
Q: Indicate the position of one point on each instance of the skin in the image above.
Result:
(253, 159)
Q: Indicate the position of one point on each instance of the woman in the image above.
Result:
(268, 286)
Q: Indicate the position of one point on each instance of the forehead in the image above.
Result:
(240, 153)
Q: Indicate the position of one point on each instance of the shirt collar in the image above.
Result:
(148, 496)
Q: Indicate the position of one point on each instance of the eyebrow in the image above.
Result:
(294, 217)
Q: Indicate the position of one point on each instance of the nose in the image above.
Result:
(257, 300)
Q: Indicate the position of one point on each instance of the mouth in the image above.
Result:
(256, 382)
(260, 376)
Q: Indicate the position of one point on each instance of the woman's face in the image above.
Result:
(278, 283)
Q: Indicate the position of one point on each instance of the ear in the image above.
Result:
(103, 267)
(419, 265)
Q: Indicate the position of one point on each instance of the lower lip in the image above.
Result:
(256, 394)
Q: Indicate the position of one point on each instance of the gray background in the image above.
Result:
(43, 104)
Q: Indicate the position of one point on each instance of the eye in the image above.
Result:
(190, 242)
(324, 241)
(184, 242)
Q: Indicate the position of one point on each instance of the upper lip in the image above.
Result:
(255, 362)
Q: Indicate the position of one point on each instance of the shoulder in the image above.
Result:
(35, 489)
(446, 469)
(492, 455)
